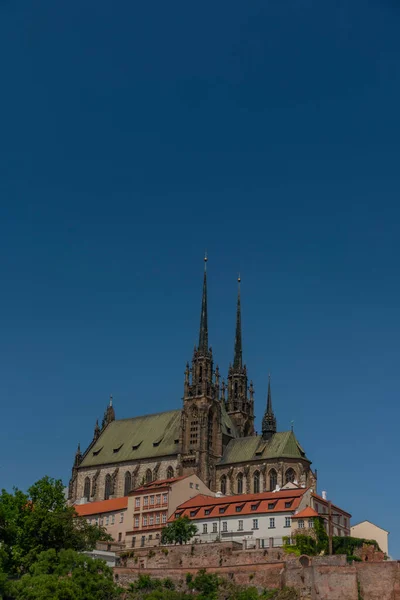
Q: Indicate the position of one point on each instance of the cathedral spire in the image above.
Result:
(203, 337)
(269, 420)
(237, 360)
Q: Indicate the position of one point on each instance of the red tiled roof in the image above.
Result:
(242, 501)
(325, 503)
(99, 508)
(154, 485)
(306, 512)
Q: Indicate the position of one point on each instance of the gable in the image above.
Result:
(281, 445)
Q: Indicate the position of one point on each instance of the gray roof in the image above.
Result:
(281, 445)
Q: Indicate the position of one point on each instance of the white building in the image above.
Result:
(267, 516)
(370, 531)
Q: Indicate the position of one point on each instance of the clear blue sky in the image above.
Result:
(133, 136)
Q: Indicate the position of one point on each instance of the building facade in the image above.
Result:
(370, 531)
(211, 435)
(110, 514)
(150, 506)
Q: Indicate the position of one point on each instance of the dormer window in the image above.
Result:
(115, 450)
(136, 446)
(97, 452)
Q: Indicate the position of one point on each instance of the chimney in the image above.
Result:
(324, 495)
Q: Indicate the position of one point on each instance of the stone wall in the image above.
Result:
(315, 578)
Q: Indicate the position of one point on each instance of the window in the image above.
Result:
(136, 521)
(207, 511)
(191, 484)
(101, 521)
(96, 520)
(254, 506)
(145, 501)
(165, 499)
(107, 520)
(112, 519)
(86, 488)
(205, 528)
(151, 520)
(150, 537)
(119, 537)
(215, 527)
(142, 540)
(311, 523)
(273, 479)
(107, 487)
(287, 521)
(193, 513)
(164, 518)
(158, 499)
(197, 486)
(151, 500)
(133, 542)
(255, 523)
(157, 518)
(239, 483)
(288, 504)
(272, 523)
(290, 476)
(121, 518)
(149, 476)
(145, 521)
(222, 510)
(256, 482)
(128, 483)
(224, 526)
(223, 485)
(170, 473)
(345, 521)
(271, 505)
(240, 526)
(137, 502)
(157, 536)
(301, 524)
(239, 508)
(316, 507)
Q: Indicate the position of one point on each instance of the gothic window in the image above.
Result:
(194, 428)
(200, 374)
(170, 473)
(107, 487)
(86, 488)
(236, 390)
(290, 476)
(239, 483)
(149, 476)
(223, 484)
(256, 482)
(128, 483)
(273, 479)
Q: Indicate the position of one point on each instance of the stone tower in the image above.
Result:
(239, 405)
(201, 435)
(269, 420)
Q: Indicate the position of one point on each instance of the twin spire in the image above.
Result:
(237, 358)
(203, 337)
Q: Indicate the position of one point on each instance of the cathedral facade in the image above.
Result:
(212, 435)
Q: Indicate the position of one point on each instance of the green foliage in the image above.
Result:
(66, 575)
(179, 531)
(207, 584)
(38, 521)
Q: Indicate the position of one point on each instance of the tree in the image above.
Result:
(37, 521)
(179, 531)
(66, 575)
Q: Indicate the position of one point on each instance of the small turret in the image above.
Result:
(269, 420)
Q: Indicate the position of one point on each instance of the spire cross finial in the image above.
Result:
(203, 337)
(237, 359)
(111, 399)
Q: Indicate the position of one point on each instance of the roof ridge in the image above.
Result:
(164, 412)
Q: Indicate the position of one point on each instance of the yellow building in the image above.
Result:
(370, 531)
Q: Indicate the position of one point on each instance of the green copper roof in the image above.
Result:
(281, 445)
(228, 426)
(138, 438)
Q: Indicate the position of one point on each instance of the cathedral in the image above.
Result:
(212, 435)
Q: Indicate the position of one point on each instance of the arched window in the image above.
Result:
(210, 432)
(290, 476)
(273, 479)
(149, 476)
(107, 487)
(128, 483)
(239, 483)
(223, 484)
(235, 392)
(170, 473)
(86, 488)
(256, 482)
(200, 374)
